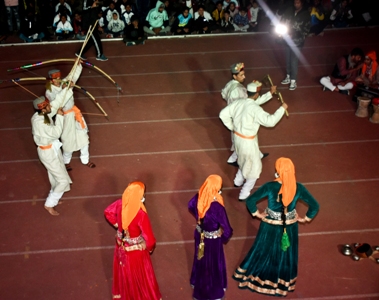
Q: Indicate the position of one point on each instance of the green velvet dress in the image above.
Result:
(267, 269)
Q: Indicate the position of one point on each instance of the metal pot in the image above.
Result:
(346, 250)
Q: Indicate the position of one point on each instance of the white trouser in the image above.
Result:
(233, 158)
(53, 199)
(247, 186)
(243, 28)
(326, 82)
(84, 155)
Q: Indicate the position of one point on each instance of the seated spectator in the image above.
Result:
(344, 72)
(227, 22)
(252, 15)
(79, 32)
(64, 29)
(233, 10)
(170, 11)
(127, 13)
(218, 14)
(121, 6)
(62, 10)
(65, 4)
(317, 19)
(341, 15)
(115, 26)
(241, 21)
(157, 20)
(203, 21)
(370, 70)
(227, 3)
(134, 34)
(108, 13)
(31, 30)
(12, 12)
(183, 23)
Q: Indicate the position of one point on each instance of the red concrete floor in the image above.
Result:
(165, 131)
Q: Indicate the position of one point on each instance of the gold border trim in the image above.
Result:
(276, 222)
(264, 282)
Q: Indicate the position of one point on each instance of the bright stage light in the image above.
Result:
(281, 29)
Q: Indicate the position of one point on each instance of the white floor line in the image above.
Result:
(185, 191)
(202, 150)
(186, 119)
(182, 242)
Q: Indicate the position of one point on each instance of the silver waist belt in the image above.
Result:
(129, 240)
(278, 215)
(209, 234)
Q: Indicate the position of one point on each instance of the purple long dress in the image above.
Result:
(208, 276)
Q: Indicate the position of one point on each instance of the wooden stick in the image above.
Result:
(30, 92)
(280, 98)
(91, 114)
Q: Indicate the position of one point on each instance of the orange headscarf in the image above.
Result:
(374, 66)
(209, 193)
(131, 202)
(286, 171)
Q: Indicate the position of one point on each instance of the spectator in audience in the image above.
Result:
(253, 15)
(31, 30)
(79, 32)
(227, 3)
(233, 10)
(218, 14)
(121, 6)
(241, 21)
(142, 9)
(341, 15)
(183, 23)
(62, 10)
(227, 22)
(100, 23)
(65, 4)
(108, 13)
(203, 21)
(370, 70)
(115, 26)
(345, 71)
(127, 13)
(12, 11)
(157, 20)
(134, 34)
(64, 29)
(170, 11)
(317, 19)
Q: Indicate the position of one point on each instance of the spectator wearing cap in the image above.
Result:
(46, 134)
(157, 20)
(134, 34)
(243, 118)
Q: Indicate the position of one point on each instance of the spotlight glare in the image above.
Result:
(281, 29)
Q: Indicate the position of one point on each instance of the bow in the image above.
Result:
(77, 86)
(119, 89)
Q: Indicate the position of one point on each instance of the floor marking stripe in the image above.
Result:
(200, 150)
(369, 230)
(186, 119)
(186, 191)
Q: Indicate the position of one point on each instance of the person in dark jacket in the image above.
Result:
(298, 21)
(90, 15)
(134, 34)
(31, 30)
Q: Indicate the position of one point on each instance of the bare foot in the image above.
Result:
(52, 211)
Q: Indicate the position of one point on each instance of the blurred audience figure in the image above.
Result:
(12, 12)
(183, 23)
(127, 13)
(253, 15)
(115, 26)
(79, 32)
(31, 30)
(218, 14)
(233, 10)
(64, 29)
(65, 4)
(157, 21)
(203, 21)
(134, 34)
(241, 21)
(370, 70)
(318, 21)
(227, 22)
(341, 15)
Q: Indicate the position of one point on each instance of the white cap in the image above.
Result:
(254, 86)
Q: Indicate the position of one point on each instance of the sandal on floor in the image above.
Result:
(90, 165)
(68, 167)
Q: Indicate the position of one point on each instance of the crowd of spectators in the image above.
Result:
(135, 20)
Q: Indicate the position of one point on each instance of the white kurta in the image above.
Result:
(74, 137)
(245, 116)
(47, 134)
(233, 90)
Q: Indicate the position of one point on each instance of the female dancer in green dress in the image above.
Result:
(270, 267)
